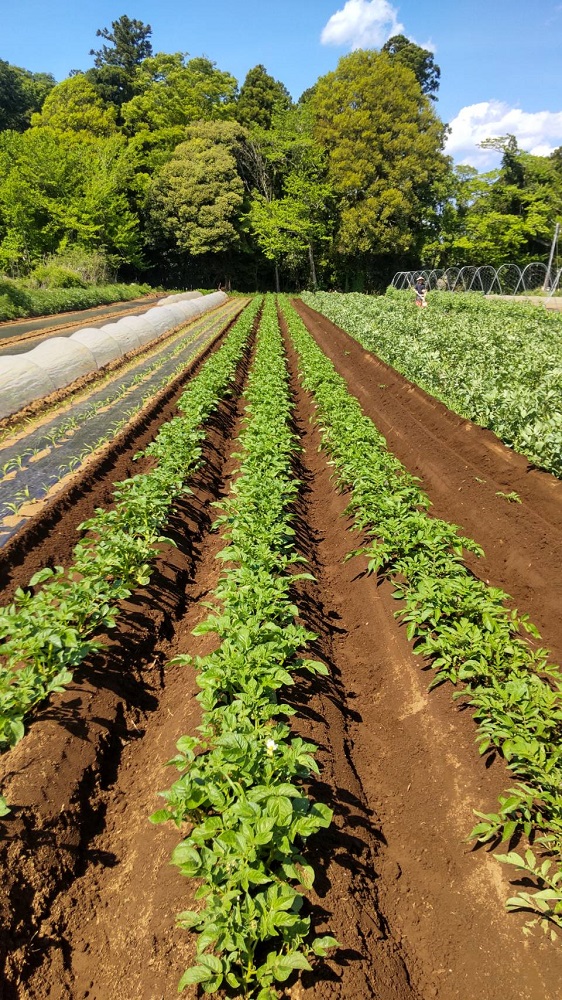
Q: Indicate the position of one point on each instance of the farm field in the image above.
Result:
(90, 899)
(497, 363)
(37, 457)
(18, 336)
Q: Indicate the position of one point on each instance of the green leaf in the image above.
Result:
(285, 964)
(160, 816)
(322, 945)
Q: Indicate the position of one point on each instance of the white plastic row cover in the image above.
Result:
(180, 297)
(59, 361)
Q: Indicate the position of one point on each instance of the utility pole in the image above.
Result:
(546, 285)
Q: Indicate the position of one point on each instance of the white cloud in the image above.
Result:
(362, 24)
(536, 132)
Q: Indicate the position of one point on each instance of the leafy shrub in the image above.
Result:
(56, 276)
(15, 301)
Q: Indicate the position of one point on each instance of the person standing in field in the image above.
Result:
(421, 291)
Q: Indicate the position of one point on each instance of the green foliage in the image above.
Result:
(291, 197)
(56, 276)
(61, 190)
(384, 147)
(505, 216)
(18, 300)
(21, 94)
(419, 60)
(75, 106)
(173, 93)
(197, 197)
(496, 363)
(129, 44)
(260, 97)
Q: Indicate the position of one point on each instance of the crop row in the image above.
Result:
(45, 632)
(459, 623)
(241, 778)
(497, 364)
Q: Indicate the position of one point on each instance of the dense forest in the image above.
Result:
(163, 167)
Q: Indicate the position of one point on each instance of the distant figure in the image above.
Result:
(421, 291)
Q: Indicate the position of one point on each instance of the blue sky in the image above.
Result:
(501, 62)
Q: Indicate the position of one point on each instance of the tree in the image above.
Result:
(504, 216)
(116, 65)
(385, 154)
(62, 189)
(21, 94)
(130, 45)
(75, 106)
(291, 198)
(260, 96)
(419, 60)
(196, 198)
(176, 92)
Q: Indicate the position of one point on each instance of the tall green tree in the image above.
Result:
(384, 144)
(196, 199)
(22, 93)
(129, 44)
(419, 60)
(173, 93)
(116, 65)
(260, 96)
(63, 189)
(75, 106)
(290, 212)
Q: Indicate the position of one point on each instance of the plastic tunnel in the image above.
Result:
(103, 346)
(21, 381)
(59, 361)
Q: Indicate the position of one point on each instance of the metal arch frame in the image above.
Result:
(482, 278)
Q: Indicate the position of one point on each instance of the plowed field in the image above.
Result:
(88, 898)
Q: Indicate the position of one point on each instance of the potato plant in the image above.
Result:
(241, 783)
(462, 625)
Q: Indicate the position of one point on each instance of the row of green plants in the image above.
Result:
(64, 430)
(496, 363)
(50, 626)
(17, 300)
(241, 779)
(463, 627)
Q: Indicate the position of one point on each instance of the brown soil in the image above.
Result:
(89, 899)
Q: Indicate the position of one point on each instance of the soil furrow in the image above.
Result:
(462, 468)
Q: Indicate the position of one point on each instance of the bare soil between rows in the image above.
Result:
(88, 900)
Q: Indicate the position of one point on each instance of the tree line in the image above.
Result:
(164, 166)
